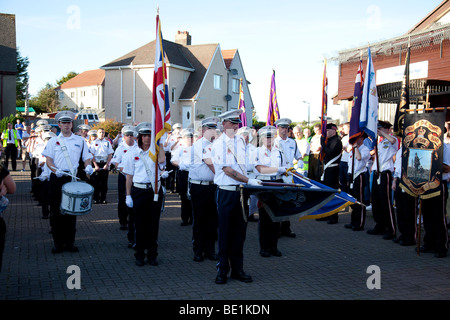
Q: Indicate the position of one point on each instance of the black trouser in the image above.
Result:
(204, 209)
(358, 217)
(314, 166)
(406, 214)
(33, 168)
(11, 152)
(147, 213)
(269, 230)
(382, 208)
(232, 230)
(44, 197)
(63, 225)
(101, 183)
(170, 180)
(331, 179)
(186, 206)
(126, 216)
(435, 221)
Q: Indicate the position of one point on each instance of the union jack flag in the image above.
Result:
(161, 122)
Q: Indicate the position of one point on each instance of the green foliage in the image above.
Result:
(4, 122)
(66, 78)
(22, 76)
(111, 126)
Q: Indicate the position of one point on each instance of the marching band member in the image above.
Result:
(140, 170)
(268, 167)
(289, 153)
(62, 157)
(228, 154)
(171, 143)
(83, 130)
(102, 151)
(332, 149)
(126, 219)
(362, 155)
(181, 158)
(382, 206)
(202, 190)
(250, 154)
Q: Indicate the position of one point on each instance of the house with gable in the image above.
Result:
(83, 92)
(199, 82)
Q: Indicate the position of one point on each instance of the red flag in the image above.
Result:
(324, 101)
(243, 116)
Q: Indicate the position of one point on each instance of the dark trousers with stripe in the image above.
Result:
(358, 216)
(101, 183)
(205, 224)
(405, 205)
(382, 207)
(126, 217)
(63, 226)
(435, 221)
(147, 213)
(232, 230)
(268, 230)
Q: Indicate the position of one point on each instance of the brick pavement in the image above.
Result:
(324, 262)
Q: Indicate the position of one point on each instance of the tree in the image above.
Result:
(22, 76)
(46, 99)
(66, 78)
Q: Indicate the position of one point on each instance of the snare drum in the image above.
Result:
(76, 198)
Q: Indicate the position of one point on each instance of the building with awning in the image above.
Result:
(429, 42)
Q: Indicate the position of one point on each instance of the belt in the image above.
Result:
(100, 158)
(142, 185)
(203, 182)
(230, 188)
(268, 178)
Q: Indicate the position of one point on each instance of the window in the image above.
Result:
(129, 110)
(82, 93)
(61, 95)
(94, 92)
(217, 82)
(72, 94)
(173, 95)
(216, 110)
(235, 85)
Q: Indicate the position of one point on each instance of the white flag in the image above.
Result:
(368, 119)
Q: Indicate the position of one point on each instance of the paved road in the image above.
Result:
(324, 262)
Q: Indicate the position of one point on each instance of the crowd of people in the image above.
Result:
(206, 167)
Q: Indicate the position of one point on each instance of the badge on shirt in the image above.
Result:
(136, 158)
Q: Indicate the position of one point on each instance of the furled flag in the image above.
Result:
(324, 101)
(161, 122)
(355, 130)
(403, 104)
(242, 106)
(274, 113)
(368, 120)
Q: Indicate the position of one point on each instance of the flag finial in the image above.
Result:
(157, 9)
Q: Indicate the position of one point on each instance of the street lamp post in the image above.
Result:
(308, 109)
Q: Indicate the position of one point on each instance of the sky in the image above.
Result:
(292, 37)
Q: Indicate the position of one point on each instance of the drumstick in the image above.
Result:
(67, 174)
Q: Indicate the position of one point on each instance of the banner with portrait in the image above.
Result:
(422, 153)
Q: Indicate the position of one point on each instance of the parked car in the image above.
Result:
(91, 117)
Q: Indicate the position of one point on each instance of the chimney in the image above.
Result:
(183, 38)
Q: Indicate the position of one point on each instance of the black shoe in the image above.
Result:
(288, 233)
(275, 252)
(198, 257)
(221, 277)
(130, 244)
(264, 253)
(440, 254)
(96, 202)
(332, 221)
(104, 202)
(123, 227)
(348, 226)
(357, 228)
(212, 256)
(426, 249)
(241, 276)
(407, 242)
(183, 224)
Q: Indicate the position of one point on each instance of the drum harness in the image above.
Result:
(67, 157)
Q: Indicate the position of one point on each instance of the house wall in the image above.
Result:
(79, 100)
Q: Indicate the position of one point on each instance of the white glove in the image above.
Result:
(300, 164)
(43, 177)
(182, 166)
(164, 175)
(129, 201)
(89, 170)
(59, 173)
(282, 170)
(254, 182)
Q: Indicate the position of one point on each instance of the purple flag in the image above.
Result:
(273, 114)
(355, 130)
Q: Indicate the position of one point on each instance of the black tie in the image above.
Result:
(10, 137)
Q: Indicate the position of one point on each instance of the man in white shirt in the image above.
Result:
(102, 151)
(62, 158)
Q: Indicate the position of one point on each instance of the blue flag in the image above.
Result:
(368, 121)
